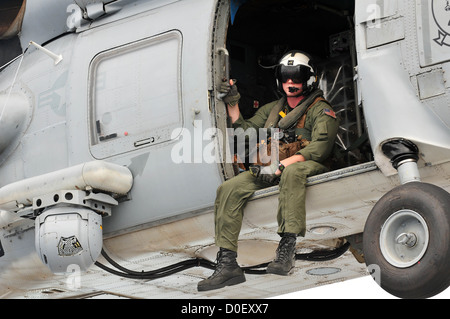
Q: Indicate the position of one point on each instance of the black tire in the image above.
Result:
(428, 273)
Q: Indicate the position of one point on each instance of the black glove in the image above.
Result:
(229, 93)
(265, 173)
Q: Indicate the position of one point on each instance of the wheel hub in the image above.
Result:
(407, 239)
(404, 238)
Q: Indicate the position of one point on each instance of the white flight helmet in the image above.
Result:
(296, 65)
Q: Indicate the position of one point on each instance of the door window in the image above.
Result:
(135, 95)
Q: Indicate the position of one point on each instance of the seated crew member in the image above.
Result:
(303, 110)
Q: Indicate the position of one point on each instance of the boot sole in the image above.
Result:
(279, 271)
(229, 282)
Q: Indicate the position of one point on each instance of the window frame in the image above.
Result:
(106, 146)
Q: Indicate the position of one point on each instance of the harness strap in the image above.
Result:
(293, 116)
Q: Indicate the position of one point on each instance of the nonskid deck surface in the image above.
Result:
(97, 283)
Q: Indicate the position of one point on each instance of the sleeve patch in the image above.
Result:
(329, 112)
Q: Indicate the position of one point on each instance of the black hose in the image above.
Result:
(324, 255)
(153, 274)
(199, 262)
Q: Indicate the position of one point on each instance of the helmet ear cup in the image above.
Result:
(313, 82)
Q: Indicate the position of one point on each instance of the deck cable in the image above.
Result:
(315, 256)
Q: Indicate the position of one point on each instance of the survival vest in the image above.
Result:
(292, 125)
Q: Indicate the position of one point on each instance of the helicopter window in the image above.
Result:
(135, 95)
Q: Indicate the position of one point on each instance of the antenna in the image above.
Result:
(56, 58)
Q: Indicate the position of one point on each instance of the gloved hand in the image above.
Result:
(265, 173)
(229, 92)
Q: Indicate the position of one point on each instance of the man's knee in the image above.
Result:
(240, 184)
(303, 170)
(294, 171)
(225, 187)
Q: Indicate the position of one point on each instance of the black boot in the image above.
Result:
(285, 259)
(227, 272)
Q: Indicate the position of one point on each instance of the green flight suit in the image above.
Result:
(320, 129)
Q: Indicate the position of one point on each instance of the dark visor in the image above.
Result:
(298, 73)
